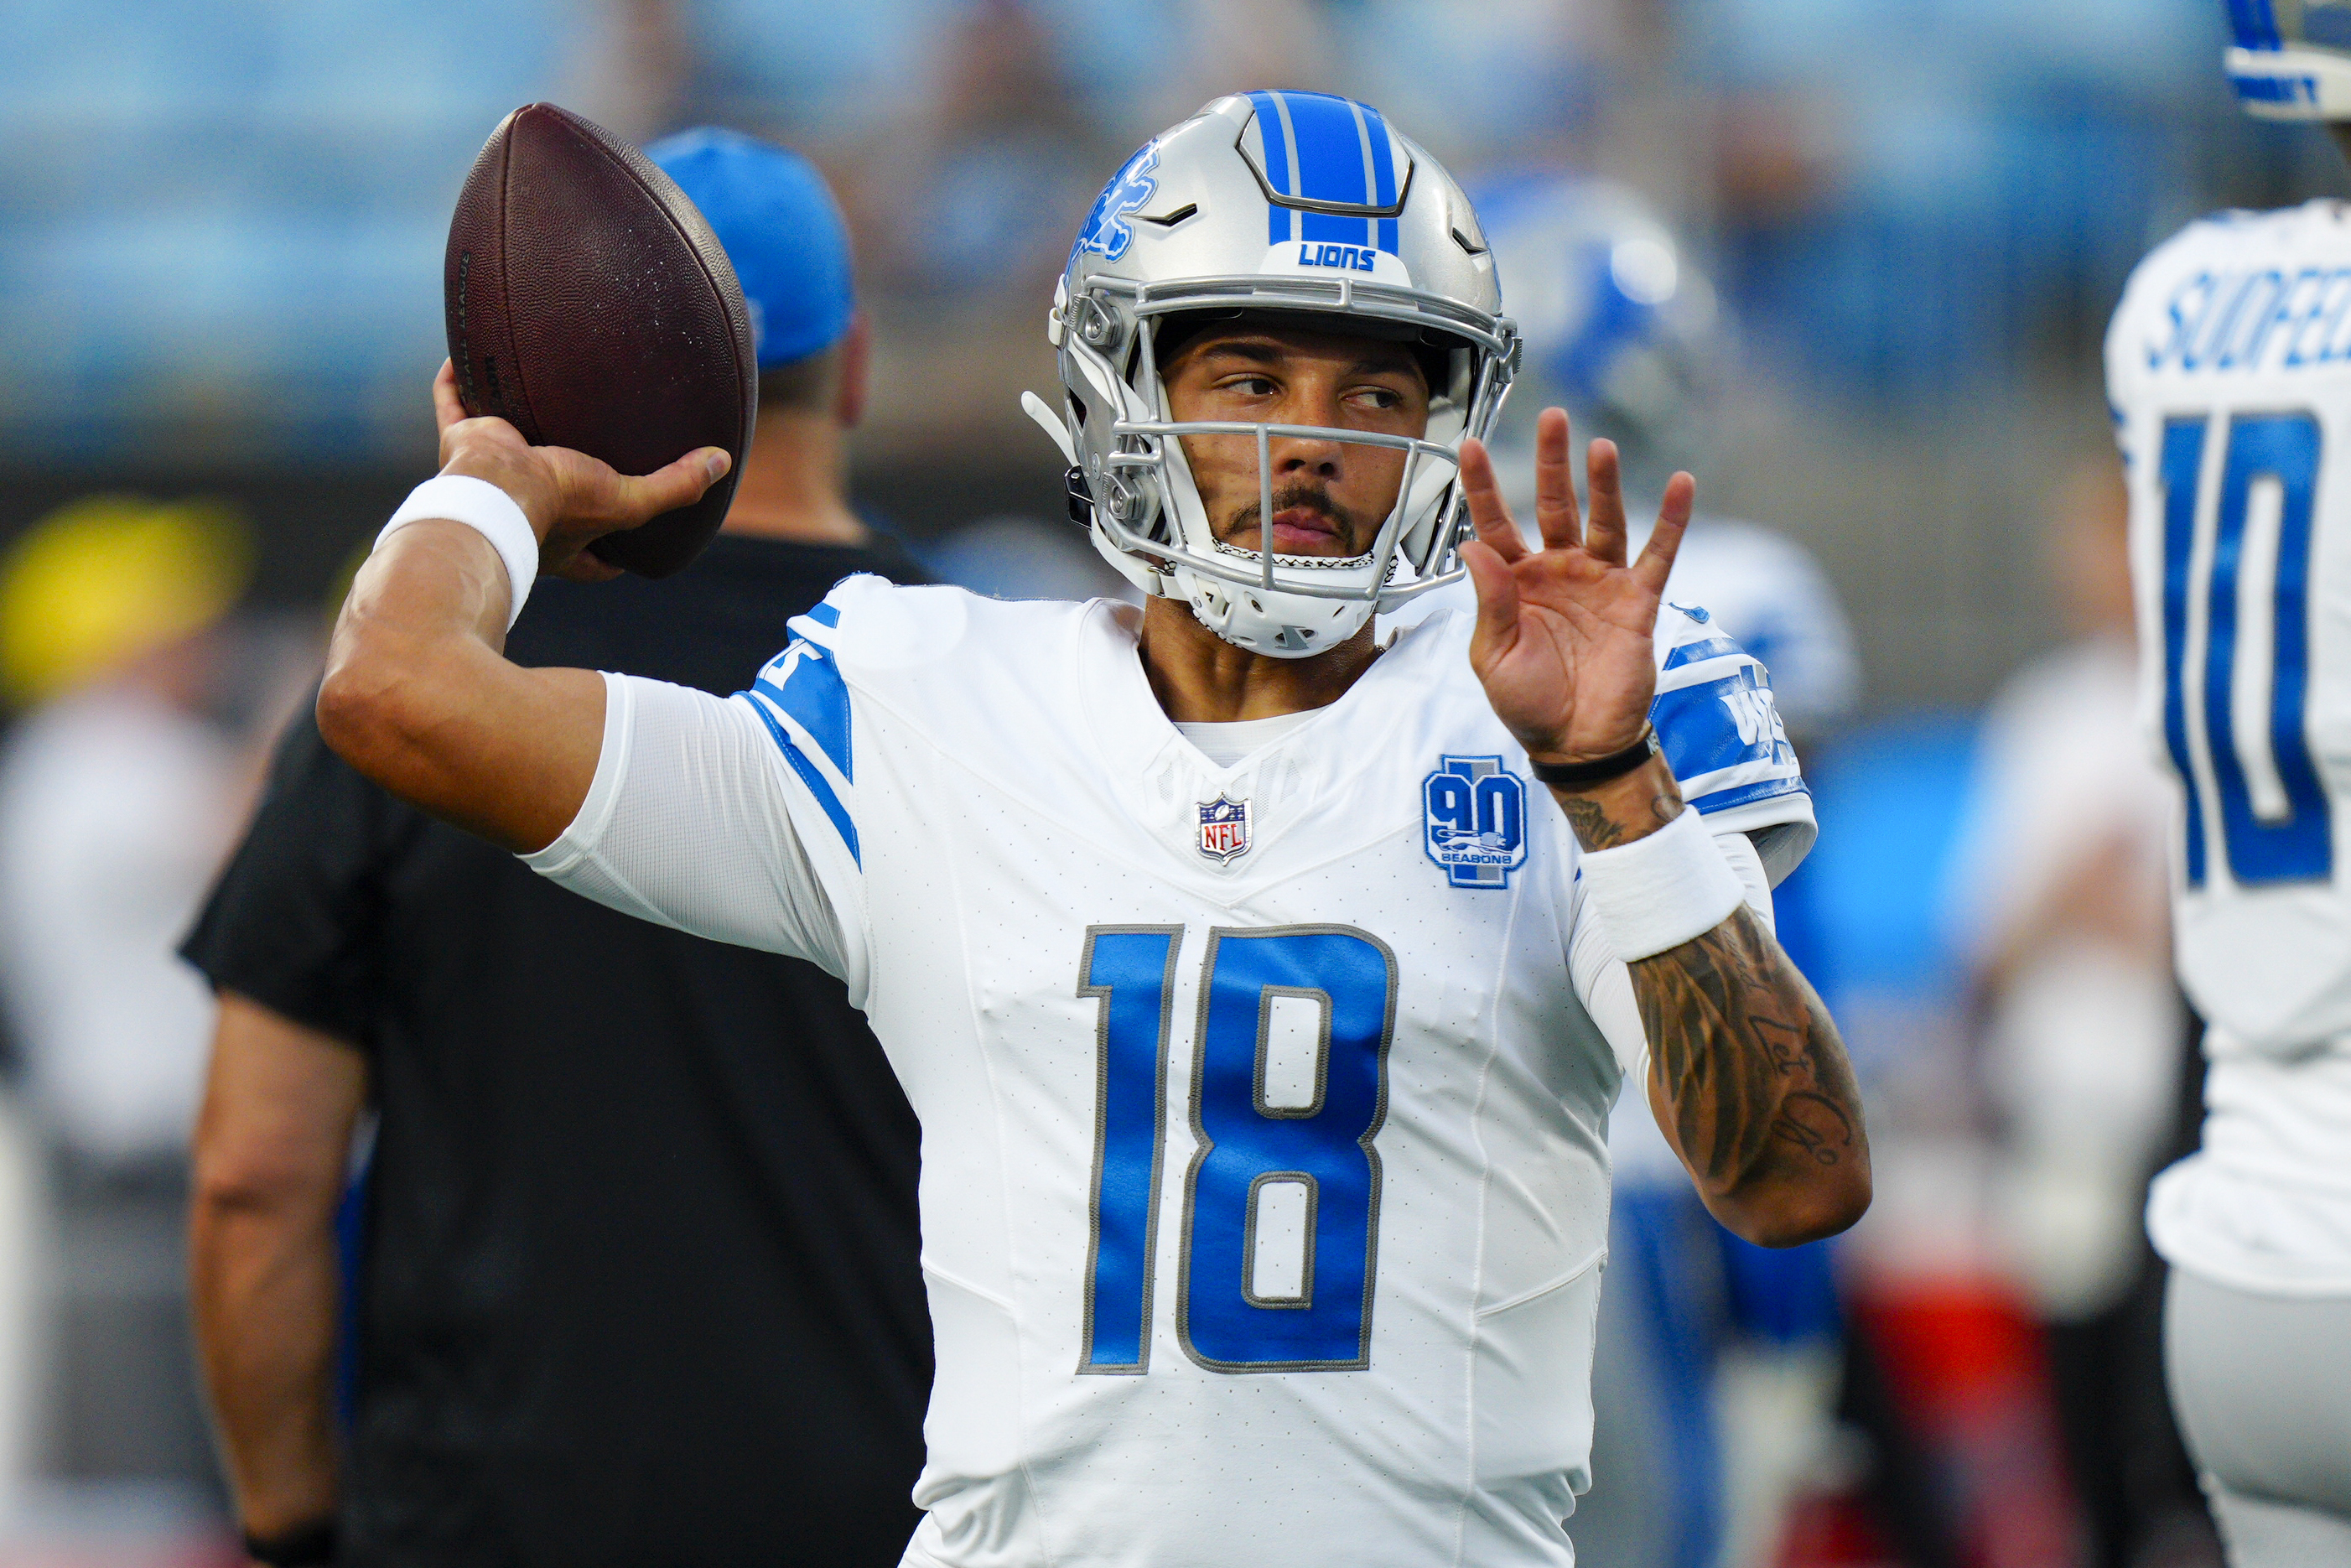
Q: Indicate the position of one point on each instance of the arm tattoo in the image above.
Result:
(1747, 1059)
(1595, 828)
(1758, 1098)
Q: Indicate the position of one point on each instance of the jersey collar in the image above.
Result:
(1290, 777)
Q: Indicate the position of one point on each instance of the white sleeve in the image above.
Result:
(1746, 859)
(695, 821)
(1604, 985)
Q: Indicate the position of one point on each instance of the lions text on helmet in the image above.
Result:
(1299, 229)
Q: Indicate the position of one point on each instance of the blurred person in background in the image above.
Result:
(1024, 557)
(1914, 223)
(613, 1304)
(2230, 373)
(1716, 1359)
(2061, 905)
(957, 203)
(118, 796)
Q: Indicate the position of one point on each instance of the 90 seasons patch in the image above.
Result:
(1474, 817)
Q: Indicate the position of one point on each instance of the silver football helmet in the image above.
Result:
(2291, 59)
(1289, 203)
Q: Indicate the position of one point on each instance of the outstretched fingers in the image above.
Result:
(1657, 562)
(1487, 511)
(1498, 601)
(1605, 472)
(1556, 515)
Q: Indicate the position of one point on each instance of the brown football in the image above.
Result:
(589, 304)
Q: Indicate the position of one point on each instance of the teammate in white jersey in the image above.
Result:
(1262, 1020)
(2228, 365)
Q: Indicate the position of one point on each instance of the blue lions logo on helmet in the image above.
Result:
(1106, 230)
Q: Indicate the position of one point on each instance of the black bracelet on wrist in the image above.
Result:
(1600, 769)
(303, 1546)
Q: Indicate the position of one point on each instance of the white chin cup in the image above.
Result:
(1278, 624)
(2291, 83)
(1269, 620)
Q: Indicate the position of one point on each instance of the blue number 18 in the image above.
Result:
(1303, 1168)
(2295, 845)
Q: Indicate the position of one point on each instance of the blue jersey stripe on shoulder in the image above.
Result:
(814, 693)
(1704, 648)
(1718, 724)
(815, 780)
(825, 615)
(1748, 794)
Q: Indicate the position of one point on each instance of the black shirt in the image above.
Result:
(640, 1283)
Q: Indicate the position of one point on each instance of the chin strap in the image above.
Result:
(1051, 424)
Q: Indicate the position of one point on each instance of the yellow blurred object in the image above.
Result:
(341, 588)
(103, 579)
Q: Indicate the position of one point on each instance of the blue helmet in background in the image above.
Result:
(2291, 59)
(777, 218)
(1624, 332)
(1620, 328)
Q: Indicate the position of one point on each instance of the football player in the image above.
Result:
(1262, 992)
(2228, 366)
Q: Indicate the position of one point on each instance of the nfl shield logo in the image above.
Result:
(1223, 828)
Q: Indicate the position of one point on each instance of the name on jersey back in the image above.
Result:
(2265, 318)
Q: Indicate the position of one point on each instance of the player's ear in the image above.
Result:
(856, 358)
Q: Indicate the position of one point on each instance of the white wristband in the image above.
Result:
(489, 512)
(1661, 890)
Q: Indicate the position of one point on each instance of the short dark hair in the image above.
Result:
(804, 385)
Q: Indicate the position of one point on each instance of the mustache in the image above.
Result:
(1298, 496)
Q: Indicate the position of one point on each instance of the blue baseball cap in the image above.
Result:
(782, 228)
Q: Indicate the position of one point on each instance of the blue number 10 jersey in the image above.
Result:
(2228, 365)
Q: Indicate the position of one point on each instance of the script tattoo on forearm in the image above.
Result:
(1596, 830)
(1757, 1087)
(1747, 1058)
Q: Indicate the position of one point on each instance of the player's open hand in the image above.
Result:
(570, 498)
(1563, 638)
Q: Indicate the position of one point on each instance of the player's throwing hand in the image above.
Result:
(1562, 644)
(570, 498)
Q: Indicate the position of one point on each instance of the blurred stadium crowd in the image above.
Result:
(221, 231)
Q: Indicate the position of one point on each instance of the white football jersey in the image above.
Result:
(2228, 365)
(1265, 1185)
